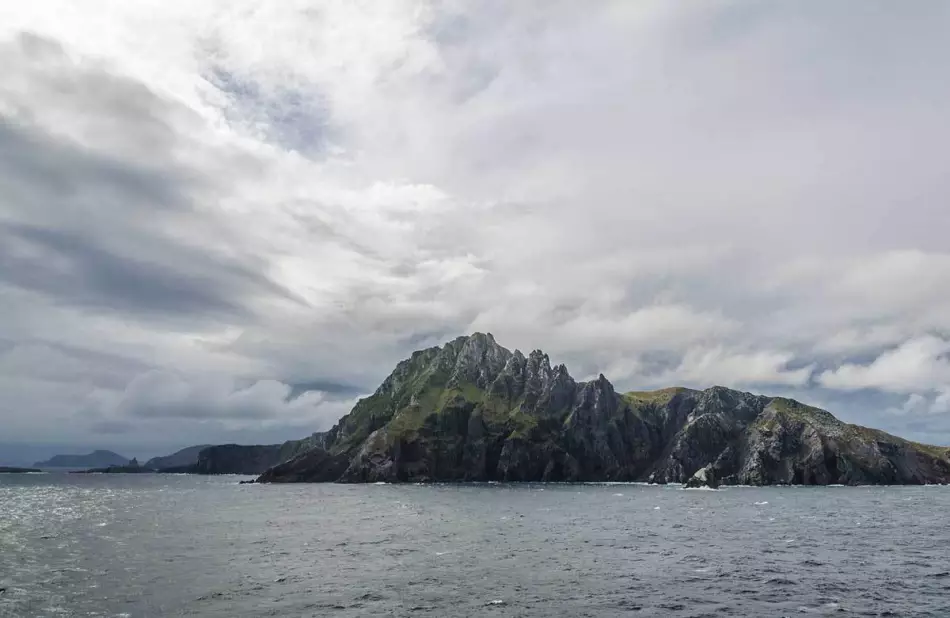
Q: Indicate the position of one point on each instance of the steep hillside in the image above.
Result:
(472, 410)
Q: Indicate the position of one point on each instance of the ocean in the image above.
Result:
(173, 545)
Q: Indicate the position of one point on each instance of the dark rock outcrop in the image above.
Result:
(14, 470)
(313, 466)
(250, 460)
(703, 478)
(473, 411)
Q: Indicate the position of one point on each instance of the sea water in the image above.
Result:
(170, 545)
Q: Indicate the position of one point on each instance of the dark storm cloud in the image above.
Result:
(79, 271)
(39, 172)
(97, 229)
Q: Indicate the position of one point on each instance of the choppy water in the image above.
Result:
(140, 545)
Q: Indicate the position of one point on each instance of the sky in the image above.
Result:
(227, 220)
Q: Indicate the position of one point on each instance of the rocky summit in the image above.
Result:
(472, 410)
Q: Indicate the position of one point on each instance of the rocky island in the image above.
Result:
(95, 459)
(472, 410)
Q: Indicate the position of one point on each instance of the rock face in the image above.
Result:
(241, 459)
(313, 466)
(473, 411)
(704, 477)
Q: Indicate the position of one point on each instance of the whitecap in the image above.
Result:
(761, 503)
(619, 495)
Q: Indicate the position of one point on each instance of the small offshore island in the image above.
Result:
(15, 470)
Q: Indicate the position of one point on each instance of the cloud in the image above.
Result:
(736, 368)
(59, 363)
(917, 405)
(920, 364)
(99, 208)
(207, 204)
(69, 265)
(161, 395)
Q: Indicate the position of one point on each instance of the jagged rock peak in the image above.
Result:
(460, 358)
(539, 357)
(479, 360)
(594, 403)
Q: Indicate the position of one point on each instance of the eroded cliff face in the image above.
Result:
(474, 411)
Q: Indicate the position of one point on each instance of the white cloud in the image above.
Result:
(160, 395)
(917, 405)
(736, 369)
(916, 365)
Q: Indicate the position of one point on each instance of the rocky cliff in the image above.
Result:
(472, 410)
(243, 459)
